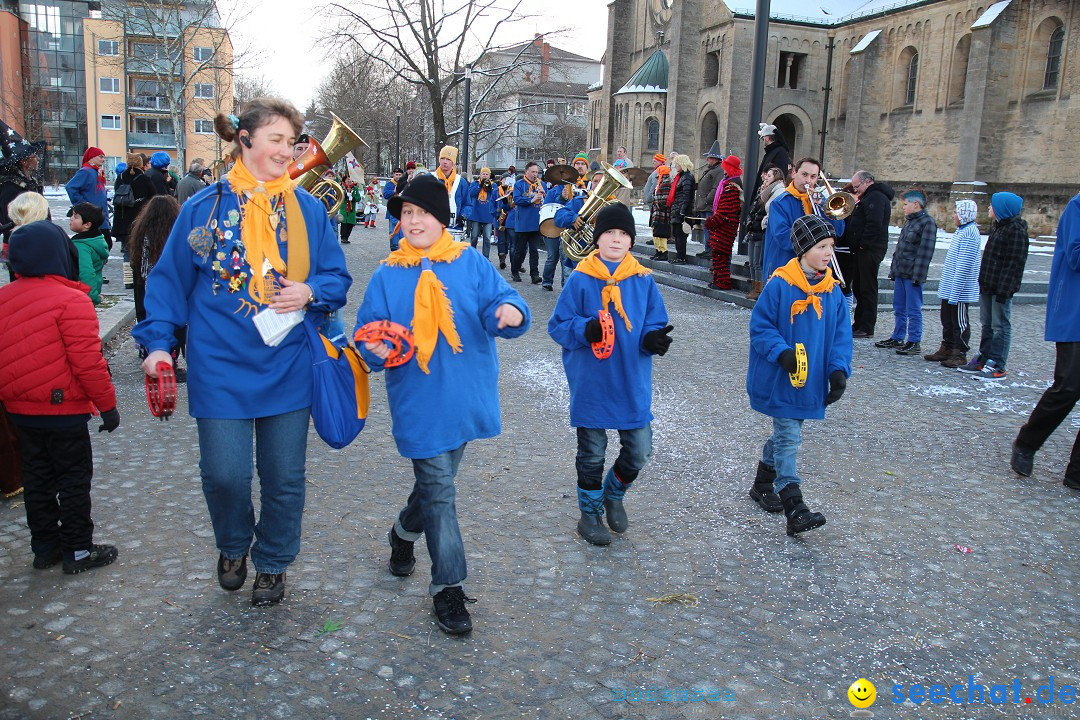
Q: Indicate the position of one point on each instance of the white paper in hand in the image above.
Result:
(274, 326)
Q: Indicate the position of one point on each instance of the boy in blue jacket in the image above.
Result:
(615, 392)
(800, 359)
(483, 209)
(447, 394)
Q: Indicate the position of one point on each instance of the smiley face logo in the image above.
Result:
(862, 693)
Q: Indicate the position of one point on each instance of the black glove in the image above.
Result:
(593, 332)
(788, 361)
(657, 341)
(110, 420)
(837, 385)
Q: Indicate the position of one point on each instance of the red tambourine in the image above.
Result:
(606, 345)
(161, 391)
(398, 336)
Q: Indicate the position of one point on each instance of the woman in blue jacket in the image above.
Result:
(249, 247)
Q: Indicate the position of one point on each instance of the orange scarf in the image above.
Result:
(534, 187)
(258, 230)
(807, 203)
(432, 312)
(448, 181)
(793, 274)
(482, 196)
(593, 266)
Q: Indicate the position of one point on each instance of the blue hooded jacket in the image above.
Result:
(1062, 309)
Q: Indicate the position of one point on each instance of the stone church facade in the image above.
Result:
(960, 97)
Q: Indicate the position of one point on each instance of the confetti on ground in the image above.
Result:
(963, 549)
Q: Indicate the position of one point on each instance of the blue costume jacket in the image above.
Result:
(772, 331)
(1062, 308)
(616, 393)
(201, 281)
(487, 211)
(526, 214)
(783, 211)
(459, 400)
(83, 187)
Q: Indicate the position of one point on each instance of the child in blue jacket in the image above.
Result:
(614, 393)
(447, 394)
(800, 359)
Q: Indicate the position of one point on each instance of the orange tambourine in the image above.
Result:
(161, 391)
(399, 337)
(606, 345)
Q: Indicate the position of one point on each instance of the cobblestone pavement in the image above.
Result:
(912, 462)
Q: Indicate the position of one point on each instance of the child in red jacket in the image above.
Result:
(53, 378)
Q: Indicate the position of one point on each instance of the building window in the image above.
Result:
(652, 131)
(912, 79)
(204, 91)
(108, 47)
(204, 127)
(43, 18)
(790, 68)
(109, 85)
(110, 122)
(1053, 59)
(202, 54)
(151, 125)
(958, 80)
(712, 70)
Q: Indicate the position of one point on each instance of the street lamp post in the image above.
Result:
(465, 164)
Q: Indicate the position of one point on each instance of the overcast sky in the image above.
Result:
(294, 67)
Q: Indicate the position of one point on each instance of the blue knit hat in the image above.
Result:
(1006, 204)
(160, 160)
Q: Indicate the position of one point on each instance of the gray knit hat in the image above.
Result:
(808, 231)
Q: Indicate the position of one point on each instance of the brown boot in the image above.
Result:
(755, 290)
(942, 353)
(955, 360)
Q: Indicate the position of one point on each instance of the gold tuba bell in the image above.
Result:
(838, 204)
(577, 244)
(308, 169)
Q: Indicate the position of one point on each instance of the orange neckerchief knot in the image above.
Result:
(432, 312)
(793, 274)
(448, 180)
(807, 203)
(258, 230)
(593, 266)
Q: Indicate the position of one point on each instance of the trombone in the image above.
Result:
(838, 205)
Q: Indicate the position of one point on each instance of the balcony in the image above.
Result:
(151, 140)
(142, 103)
(154, 66)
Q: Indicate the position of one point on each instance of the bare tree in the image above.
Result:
(425, 43)
(166, 33)
(248, 86)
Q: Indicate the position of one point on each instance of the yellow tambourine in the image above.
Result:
(798, 378)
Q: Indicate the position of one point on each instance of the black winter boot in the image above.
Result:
(762, 491)
(799, 517)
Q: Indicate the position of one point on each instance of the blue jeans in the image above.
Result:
(907, 307)
(508, 244)
(551, 247)
(475, 230)
(395, 237)
(225, 464)
(782, 449)
(756, 251)
(592, 449)
(431, 512)
(996, 319)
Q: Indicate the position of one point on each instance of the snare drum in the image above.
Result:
(547, 220)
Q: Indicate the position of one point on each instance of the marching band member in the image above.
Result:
(793, 203)
(456, 187)
(483, 209)
(393, 187)
(528, 197)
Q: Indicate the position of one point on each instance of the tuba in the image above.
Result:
(308, 169)
(838, 204)
(577, 244)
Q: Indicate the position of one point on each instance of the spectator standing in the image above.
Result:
(772, 185)
(1000, 275)
(910, 264)
(706, 191)
(661, 213)
(191, 183)
(723, 222)
(158, 172)
(959, 287)
(88, 185)
(867, 236)
(680, 199)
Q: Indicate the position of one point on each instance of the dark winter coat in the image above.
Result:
(868, 227)
(1004, 258)
(706, 190)
(50, 360)
(160, 180)
(661, 213)
(142, 189)
(915, 248)
(12, 185)
(684, 198)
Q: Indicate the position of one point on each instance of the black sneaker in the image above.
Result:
(450, 610)
(402, 559)
(47, 560)
(910, 348)
(888, 343)
(704, 254)
(1022, 461)
(268, 589)
(536, 281)
(231, 574)
(98, 556)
